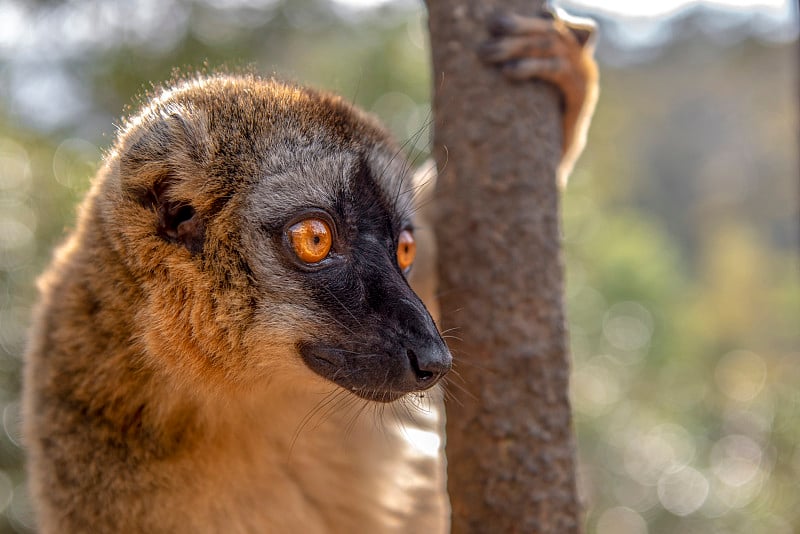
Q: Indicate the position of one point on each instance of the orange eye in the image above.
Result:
(311, 239)
(406, 250)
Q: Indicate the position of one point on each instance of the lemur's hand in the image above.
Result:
(557, 49)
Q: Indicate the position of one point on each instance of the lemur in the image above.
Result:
(226, 338)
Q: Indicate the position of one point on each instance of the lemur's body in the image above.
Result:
(225, 342)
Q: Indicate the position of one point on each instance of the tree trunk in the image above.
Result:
(509, 435)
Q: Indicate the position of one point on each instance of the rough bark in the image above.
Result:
(510, 445)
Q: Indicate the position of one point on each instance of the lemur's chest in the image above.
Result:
(330, 472)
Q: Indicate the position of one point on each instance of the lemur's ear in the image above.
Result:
(178, 221)
(161, 158)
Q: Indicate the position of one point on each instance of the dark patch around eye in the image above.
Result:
(374, 209)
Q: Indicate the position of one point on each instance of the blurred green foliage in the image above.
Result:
(683, 294)
(680, 227)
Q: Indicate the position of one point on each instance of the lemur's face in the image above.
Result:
(285, 218)
(337, 227)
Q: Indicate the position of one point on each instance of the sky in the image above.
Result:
(643, 8)
(654, 8)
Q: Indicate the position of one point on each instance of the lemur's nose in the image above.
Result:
(429, 365)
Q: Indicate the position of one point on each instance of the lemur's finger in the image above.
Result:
(502, 23)
(506, 48)
(545, 68)
(547, 23)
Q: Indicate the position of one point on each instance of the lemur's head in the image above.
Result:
(269, 229)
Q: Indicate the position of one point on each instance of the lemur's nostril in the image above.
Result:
(424, 374)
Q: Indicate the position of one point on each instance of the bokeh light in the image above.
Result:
(621, 520)
(741, 375)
